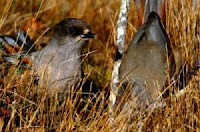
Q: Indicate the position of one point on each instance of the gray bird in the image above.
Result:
(144, 63)
(58, 65)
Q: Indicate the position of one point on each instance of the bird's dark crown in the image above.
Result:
(71, 27)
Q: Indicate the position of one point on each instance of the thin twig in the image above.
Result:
(121, 37)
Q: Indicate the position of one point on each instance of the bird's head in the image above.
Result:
(74, 30)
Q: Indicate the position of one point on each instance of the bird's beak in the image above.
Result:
(88, 35)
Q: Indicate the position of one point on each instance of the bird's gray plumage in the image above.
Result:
(58, 65)
(144, 63)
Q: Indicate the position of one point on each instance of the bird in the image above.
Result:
(143, 69)
(58, 65)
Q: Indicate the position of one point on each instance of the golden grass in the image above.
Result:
(27, 107)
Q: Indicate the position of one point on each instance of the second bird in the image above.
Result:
(144, 64)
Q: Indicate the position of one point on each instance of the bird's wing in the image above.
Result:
(152, 30)
(139, 35)
(13, 44)
(25, 40)
(15, 49)
(5, 39)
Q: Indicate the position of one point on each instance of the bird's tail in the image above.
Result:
(145, 7)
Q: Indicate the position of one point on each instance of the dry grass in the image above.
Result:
(27, 107)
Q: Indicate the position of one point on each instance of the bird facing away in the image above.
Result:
(145, 61)
(58, 65)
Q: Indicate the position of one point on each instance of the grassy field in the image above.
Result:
(26, 107)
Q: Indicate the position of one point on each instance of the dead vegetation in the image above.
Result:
(24, 106)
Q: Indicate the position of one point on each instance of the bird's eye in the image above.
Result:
(72, 30)
(75, 31)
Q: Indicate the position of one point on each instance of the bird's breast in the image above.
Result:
(58, 67)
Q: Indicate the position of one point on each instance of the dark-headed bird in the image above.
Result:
(58, 65)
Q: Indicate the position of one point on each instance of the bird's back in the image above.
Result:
(144, 63)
